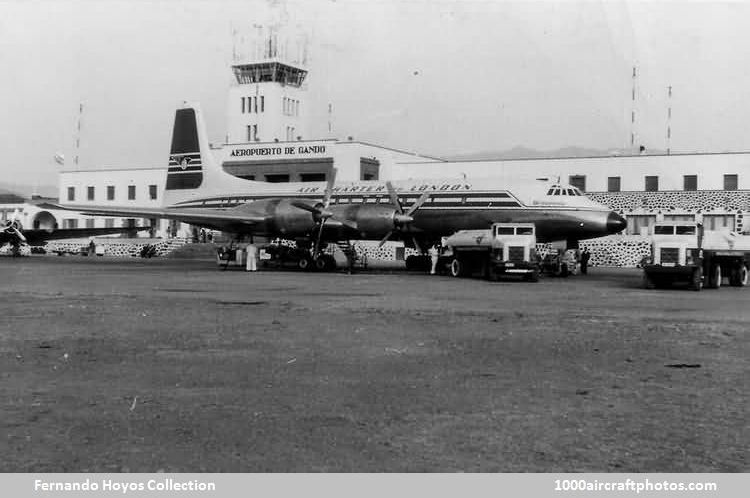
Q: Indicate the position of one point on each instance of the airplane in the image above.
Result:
(17, 237)
(199, 192)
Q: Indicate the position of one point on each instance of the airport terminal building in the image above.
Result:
(267, 140)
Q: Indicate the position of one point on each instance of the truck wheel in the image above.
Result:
(304, 263)
(534, 275)
(714, 279)
(648, 283)
(457, 268)
(697, 281)
(738, 278)
(325, 263)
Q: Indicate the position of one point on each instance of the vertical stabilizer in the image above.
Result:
(186, 156)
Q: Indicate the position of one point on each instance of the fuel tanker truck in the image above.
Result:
(504, 249)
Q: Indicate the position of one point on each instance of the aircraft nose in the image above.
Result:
(615, 223)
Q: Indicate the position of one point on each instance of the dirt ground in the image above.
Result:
(111, 365)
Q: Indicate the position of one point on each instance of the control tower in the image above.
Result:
(267, 96)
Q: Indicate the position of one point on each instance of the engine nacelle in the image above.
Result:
(372, 221)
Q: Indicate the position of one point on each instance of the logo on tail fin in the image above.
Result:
(185, 165)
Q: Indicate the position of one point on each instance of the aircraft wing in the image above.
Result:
(39, 237)
(194, 216)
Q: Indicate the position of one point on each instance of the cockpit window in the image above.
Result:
(556, 192)
(571, 191)
(549, 192)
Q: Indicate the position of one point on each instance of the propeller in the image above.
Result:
(320, 211)
(402, 218)
(13, 226)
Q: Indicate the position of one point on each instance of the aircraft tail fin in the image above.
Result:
(189, 157)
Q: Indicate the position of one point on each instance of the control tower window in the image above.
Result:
(277, 178)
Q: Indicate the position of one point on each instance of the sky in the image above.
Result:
(440, 78)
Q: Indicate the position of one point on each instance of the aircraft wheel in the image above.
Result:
(697, 281)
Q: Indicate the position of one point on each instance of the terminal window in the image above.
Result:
(90, 193)
(312, 177)
(277, 178)
(152, 192)
(613, 184)
(652, 184)
(110, 192)
(109, 223)
(131, 192)
(71, 193)
(690, 182)
(243, 105)
(730, 182)
(90, 223)
(578, 181)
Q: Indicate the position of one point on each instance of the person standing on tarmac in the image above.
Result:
(585, 256)
(252, 258)
(434, 254)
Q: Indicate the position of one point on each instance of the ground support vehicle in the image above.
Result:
(504, 249)
(685, 253)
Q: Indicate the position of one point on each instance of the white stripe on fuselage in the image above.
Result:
(533, 195)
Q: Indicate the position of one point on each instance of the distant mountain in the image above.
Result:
(520, 152)
(28, 190)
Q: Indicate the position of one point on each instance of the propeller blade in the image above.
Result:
(422, 199)
(385, 239)
(305, 206)
(329, 188)
(394, 197)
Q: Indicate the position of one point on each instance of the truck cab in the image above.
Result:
(684, 252)
(506, 248)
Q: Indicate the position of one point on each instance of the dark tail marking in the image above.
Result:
(185, 165)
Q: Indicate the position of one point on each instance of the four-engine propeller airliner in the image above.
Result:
(198, 191)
